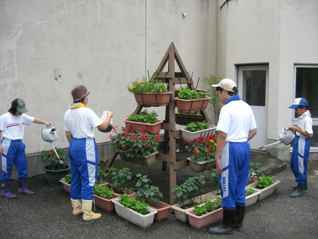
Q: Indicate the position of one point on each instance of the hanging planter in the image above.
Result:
(150, 93)
(143, 122)
(189, 100)
(195, 130)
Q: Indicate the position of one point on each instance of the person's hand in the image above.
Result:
(110, 114)
(294, 128)
(48, 124)
(218, 166)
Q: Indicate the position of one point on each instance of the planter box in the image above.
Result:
(253, 198)
(205, 220)
(200, 165)
(134, 126)
(187, 106)
(189, 136)
(153, 99)
(266, 192)
(163, 211)
(136, 218)
(104, 203)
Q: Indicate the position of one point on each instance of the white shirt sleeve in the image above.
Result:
(224, 121)
(308, 125)
(27, 119)
(93, 119)
(2, 123)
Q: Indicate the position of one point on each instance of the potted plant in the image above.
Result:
(185, 196)
(134, 210)
(266, 185)
(191, 100)
(143, 122)
(252, 195)
(121, 180)
(206, 213)
(203, 153)
(103, 197)
(55, 168)
(137, 147)
(151, 195)
(150, 93)
(195, 130)
(66, 181)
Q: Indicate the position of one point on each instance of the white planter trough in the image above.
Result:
(180, 213)
(134, 217)
(266, 192)
(189, 136)
(253, 198)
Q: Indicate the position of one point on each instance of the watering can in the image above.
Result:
(286, 137)
(49, 135)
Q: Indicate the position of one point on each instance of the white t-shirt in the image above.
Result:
(12, 127)
(304, 122)
(81, 122)
(236, 120)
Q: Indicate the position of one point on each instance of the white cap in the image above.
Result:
(226, 84)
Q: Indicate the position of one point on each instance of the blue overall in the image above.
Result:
(84, 160)
(14, 154)
(299, 159)
(235, 171)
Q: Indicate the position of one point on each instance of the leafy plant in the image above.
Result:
(144, 117)
(190, 188)
(103, 191)
(264, 181)
(203, 149)
(146, 191)
(134, 204)
(51, 161)
(208, 206)
(144, 86)
(122, 180)
(196, 126)
(67, 179)
(189, 94)
(136, 146)
(250, 191)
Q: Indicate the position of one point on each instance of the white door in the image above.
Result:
(252, 83)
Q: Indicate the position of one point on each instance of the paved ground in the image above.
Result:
(47, 215)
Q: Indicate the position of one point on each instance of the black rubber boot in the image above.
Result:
(239, 216)
(227, 224)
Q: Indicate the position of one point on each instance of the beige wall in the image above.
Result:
(99, 43)
(278, 32)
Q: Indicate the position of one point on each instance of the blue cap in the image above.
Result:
(299, 103)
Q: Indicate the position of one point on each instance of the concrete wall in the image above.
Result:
(278, 32)
(48, 46)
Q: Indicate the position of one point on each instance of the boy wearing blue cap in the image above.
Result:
(302, 127)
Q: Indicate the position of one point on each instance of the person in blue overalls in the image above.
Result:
(12, 148)
(80, 122)
(302, 127)
(236, 126)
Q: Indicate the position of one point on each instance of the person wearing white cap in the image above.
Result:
(302, 127)
(79, 124)
(236, 126)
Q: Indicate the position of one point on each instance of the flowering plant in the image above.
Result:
(203, 148)
(136, 145)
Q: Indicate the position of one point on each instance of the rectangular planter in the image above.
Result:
(205, 220)
(266, 192)
(253, 198)
(189, 136)
(153, 99)
(163, 211)
(194, 105)
(136, 218)
(133, 126)
(104, 203)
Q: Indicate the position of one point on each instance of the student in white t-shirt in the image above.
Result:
(12, 148)
(236, 126)
(302, 127)
(79, 123)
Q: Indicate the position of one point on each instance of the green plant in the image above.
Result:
(136, 146)
(196, 126)
(134, 204)
(189, 94)
(146, 191)
(264, 181)
(103, 191)
(144, 117)
(190, 188)
(51, 161)
(203, 149)
(250, 191)
(208, 206)
(67, 179)
(144, 86)
(121, 180)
